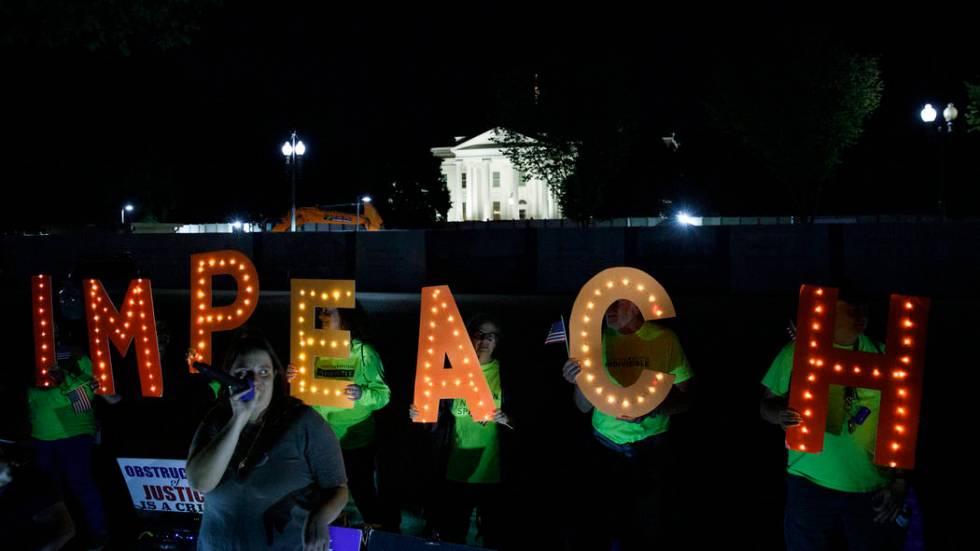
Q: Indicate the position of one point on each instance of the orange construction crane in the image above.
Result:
(368, 220)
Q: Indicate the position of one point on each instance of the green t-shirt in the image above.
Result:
(52, 414)
(355, 426)
(846, 463)
(475, 454)
(671, 356)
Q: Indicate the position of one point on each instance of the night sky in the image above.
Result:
(191, 132)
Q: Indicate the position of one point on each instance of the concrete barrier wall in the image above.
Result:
(939, 260)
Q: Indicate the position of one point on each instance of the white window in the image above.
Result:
(463, 179)
(496, 179)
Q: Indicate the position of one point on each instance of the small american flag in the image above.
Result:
(557, 332)
(79, 400)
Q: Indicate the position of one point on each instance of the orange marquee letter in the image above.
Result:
(442, 335)
(897, 374)
(44, 351)
(307, 343)
(205, 317)
(585, 341)
(135, 323)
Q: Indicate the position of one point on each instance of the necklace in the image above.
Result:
(248, 453)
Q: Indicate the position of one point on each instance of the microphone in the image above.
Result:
(234, 384)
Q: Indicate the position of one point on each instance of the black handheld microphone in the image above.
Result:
(235, 385)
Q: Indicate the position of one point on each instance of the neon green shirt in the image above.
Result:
(475, 454)
(847, 460)
(671, 356)
(355, 426)
(52, 415)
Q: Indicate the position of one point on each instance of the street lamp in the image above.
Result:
(928, 115)
(357, 221)
(950, 114)
(122, 212)
(293, 150)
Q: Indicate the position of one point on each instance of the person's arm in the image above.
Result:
(208, 461)
(891, 498)
(581, 402)
(316, 530)
(55, 524)
(678, 400)
(207, 464)
(373, 391)
(414, 413)
(85, 366)
(775, 409)
(570, 371)
(325, 459)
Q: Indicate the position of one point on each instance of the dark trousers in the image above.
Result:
(455, 507)
(68, 462)
(360, 465)
(627, 505)
(821, 519)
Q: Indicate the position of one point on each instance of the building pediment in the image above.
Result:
(478, 142)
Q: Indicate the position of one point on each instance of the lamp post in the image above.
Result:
(357, 221)
(122, 212)
(928, 115)
(293, 150)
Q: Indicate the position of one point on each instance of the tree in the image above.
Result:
(973, 106)
(552, 161)
(103, 24)
(798, 108)
(588, 122)
(412, 204)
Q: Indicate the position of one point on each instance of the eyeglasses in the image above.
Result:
(481, 336)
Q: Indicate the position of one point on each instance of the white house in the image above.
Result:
(484, 185)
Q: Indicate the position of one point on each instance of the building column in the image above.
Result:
(515, 195)
(542, 200)
(450, 172)
(489, 183)
(469, 192)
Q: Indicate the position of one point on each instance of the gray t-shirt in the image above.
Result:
(241, 512)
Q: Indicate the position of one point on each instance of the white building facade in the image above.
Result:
(484, 185)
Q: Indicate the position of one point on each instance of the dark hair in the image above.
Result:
(851, 292)
(247, 340)
(474, 323)
(477, 320)
(354, 320)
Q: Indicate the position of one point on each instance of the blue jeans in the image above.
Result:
(69, 462)
(821, 519)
